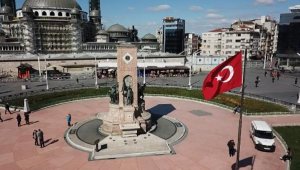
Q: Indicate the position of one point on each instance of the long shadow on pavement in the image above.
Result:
(245, 162)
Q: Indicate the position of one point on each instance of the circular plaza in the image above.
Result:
(204, 147)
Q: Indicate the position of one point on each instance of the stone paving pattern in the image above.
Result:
(204, 147)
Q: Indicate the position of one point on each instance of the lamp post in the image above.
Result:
(144, 71)
(190, 76)
(47, 85)
(96, 76)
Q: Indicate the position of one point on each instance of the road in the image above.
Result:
(283, 89)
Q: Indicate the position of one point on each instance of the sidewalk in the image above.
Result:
(204, 148)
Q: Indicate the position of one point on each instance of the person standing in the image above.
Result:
(26, 117)
(40, 135)
(231, 148)
(77, 80)
(278, 75)
(35, 137)
(1, 117)
(273, 79)
(296, 80)
(69, 118)
(7, 108)
(19, 119)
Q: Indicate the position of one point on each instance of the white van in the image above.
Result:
(262, 135)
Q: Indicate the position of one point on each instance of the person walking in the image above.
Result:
(296, 80)
(7, 108)
(273, 79)
(26, 117)
(231, 148)
(77, 80)
(69, 118)
(288, 155)
(266, 73)
(256, 83)
(278, 75)
(35, 137)
(19, 119)
(1, 117)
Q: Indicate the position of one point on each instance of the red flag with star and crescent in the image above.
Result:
(224, 77)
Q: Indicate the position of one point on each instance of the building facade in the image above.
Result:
(259, 36)
(288, 47)
(60, 26)
(192, 43)
(173, 35)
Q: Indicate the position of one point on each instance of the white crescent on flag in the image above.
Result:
(231, 71)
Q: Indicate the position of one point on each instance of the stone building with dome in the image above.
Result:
(59, 26)
(68, 37)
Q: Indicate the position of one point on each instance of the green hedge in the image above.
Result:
(47, 99)
(291, 136)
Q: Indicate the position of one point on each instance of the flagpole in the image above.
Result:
(241, 116)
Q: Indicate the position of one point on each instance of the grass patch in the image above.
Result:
(47, 99)
(291, 136)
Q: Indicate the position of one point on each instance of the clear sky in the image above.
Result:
(200, 15)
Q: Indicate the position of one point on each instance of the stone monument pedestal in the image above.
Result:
(127, 116)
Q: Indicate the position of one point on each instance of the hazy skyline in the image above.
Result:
(200, 15)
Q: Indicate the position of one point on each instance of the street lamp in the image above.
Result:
(47, 85)
(190, 76)
(96, 76)
(144, 70)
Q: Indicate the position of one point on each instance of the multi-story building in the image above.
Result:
(288, 47)
(192, 43)
(241, 35)
(173, 35)
(268, 36)
(257, 35)
(212, 42)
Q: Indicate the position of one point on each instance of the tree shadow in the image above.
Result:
(160, 110)
(245, 162)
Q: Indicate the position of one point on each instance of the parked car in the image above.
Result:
(262, 135)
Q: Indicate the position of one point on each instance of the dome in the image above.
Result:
(75, 11)
(94, 13)
(149, 37)
(65, 4)
(5, 10)
(27, 9)
(102, 32)
(117, 28)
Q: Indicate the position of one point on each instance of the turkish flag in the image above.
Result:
(224, 77)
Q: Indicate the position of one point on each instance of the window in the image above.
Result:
(239, 35)
(44, 13)
(36, 13)
(59, 14)
(228, 41)
(237, 40)
(52, 13)
(67, 14)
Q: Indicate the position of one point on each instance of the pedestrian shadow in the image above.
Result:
(7, 119)
(245, 162)
(50, 142)
(33, 122)
(160, 110)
